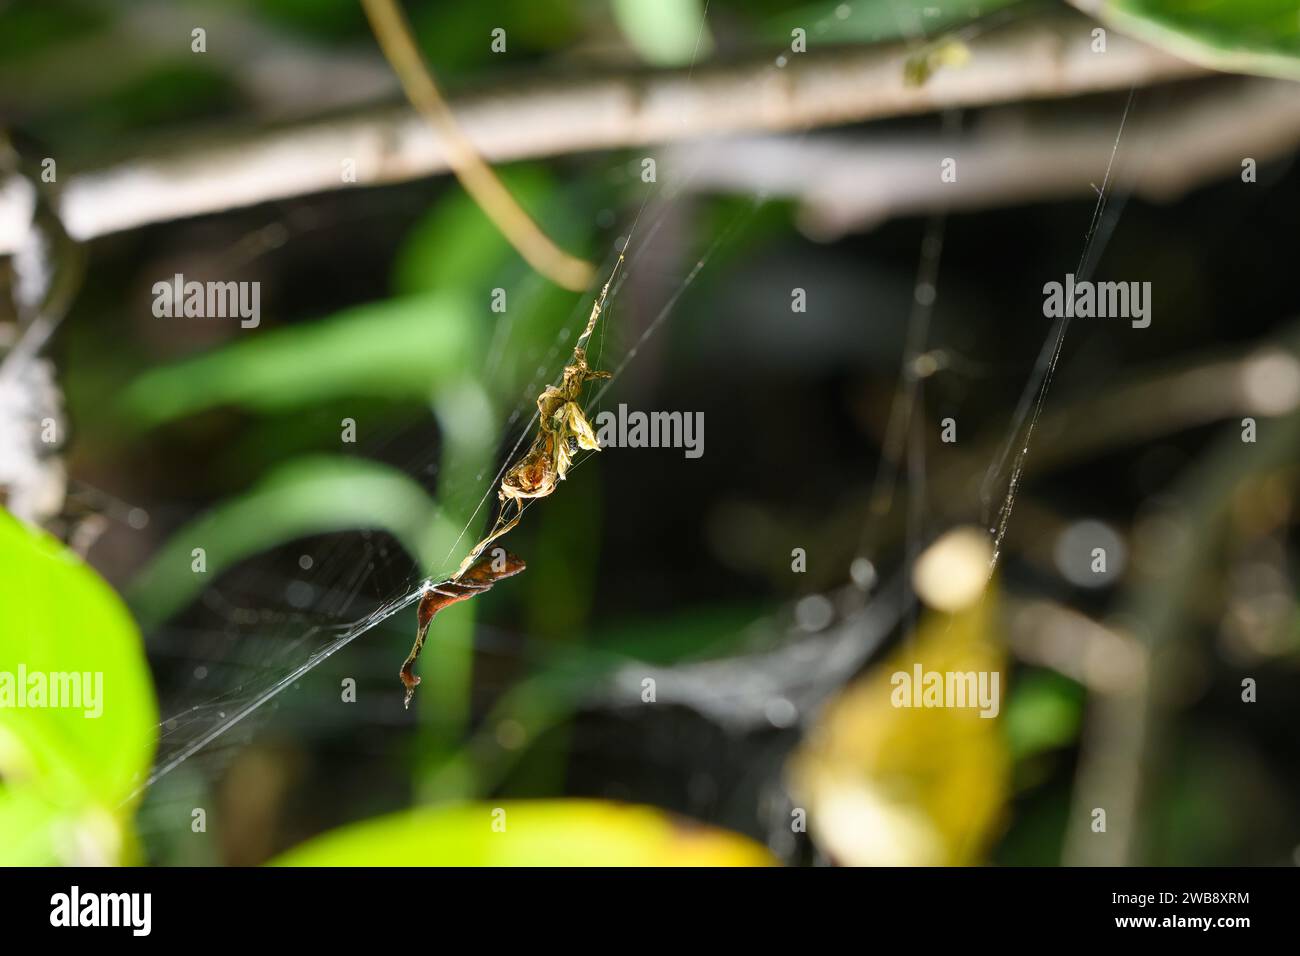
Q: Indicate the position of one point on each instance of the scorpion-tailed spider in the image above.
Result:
(562, 430)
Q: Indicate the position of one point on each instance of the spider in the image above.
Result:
(484, 573)
(562, 430)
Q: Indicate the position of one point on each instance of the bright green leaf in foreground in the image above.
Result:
(67, 772)
(529, 833)
(1247, 36)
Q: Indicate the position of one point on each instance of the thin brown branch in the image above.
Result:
(394, 36)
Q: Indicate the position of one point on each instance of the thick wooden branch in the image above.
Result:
(547, 117)
(1010, 155)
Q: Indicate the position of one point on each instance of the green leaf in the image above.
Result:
(536, 833)
(838, 22)
(34, 29)
(310, 495)
(449, 33)
(1244, 36)
(1044, 712)
(455, 245)
(666, 32)
(421, 344)
(67, 773)
(397, 349)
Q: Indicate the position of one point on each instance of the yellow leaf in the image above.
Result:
(530, 833)
(908, 767)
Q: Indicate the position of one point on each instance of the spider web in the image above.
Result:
(269, 633)
(279, 637)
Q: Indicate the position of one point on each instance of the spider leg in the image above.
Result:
(501, 527)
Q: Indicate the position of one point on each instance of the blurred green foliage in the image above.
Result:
(436, 345)
(881, 22)
(666, 33)
(435, 342)
(306, 496)
(1044, 711)
(32, 28)
(399, 348)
